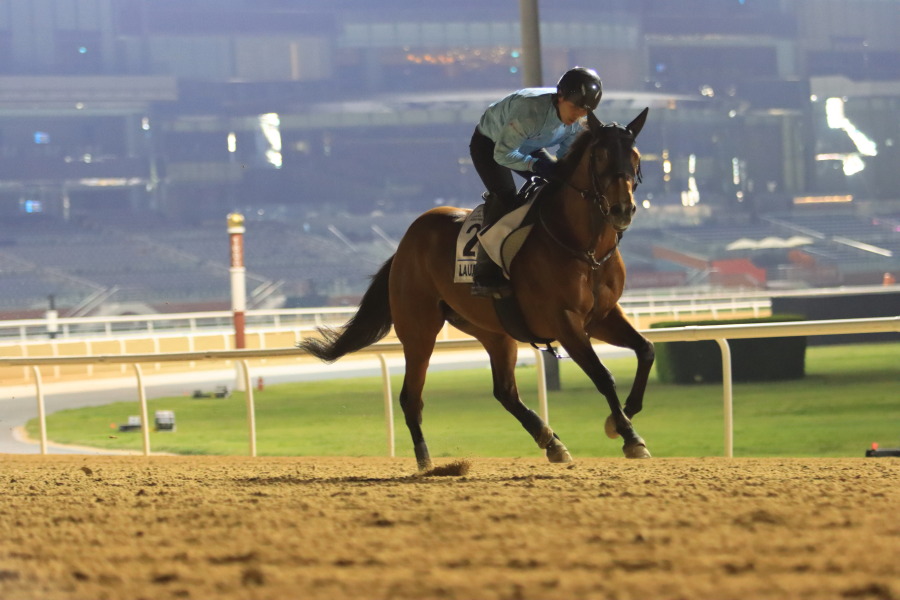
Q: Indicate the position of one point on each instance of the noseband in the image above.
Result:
(598, 199)
(594, 195)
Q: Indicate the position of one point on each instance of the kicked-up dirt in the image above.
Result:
(234, 528)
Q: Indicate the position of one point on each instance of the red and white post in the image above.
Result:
(238, 284)
(238, 276)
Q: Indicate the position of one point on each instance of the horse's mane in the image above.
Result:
(569, 162)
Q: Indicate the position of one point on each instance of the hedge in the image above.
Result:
(755, 359)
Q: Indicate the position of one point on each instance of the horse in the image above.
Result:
(568, 277)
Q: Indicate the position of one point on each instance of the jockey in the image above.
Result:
(513, 135)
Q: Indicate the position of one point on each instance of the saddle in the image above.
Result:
(502, 241)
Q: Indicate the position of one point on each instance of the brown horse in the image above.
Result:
(568, 278)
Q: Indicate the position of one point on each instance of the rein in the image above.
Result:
(585, 255)
(601, 202)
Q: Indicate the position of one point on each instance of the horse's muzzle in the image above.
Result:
(620, 215)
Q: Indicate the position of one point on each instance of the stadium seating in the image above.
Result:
(149, 259)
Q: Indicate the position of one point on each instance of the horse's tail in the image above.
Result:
(371, 322)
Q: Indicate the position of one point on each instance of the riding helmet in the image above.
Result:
(581, 87)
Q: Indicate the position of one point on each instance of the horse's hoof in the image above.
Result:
(424, 465)
(558, 453)
(636, 450)
(610, 428)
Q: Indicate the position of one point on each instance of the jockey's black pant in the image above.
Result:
(496, 178)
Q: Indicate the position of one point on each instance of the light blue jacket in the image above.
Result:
(523, 122)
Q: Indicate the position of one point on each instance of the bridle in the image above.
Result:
(596, 196)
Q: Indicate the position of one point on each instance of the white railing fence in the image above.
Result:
(639, 306)
(720, 333)
(21, 330)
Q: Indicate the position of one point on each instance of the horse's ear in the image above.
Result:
(594, 123)
(635, 126)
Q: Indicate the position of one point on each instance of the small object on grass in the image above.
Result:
(458, 468)
(134, 424)
(876, 452)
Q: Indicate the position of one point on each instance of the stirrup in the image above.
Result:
(550, 349)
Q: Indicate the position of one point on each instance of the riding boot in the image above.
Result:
(487, 277)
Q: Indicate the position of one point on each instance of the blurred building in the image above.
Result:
(194, 108)
(130, 128)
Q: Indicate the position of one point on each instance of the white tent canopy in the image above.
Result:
(769, 242)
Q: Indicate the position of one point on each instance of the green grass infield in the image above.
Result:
(849, 398)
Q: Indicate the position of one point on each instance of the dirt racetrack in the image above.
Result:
(101, 527)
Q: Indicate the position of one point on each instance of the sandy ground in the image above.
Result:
(103, 527)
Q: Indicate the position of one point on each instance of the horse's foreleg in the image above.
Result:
(503, 352)
(617, 330)
(578, 345)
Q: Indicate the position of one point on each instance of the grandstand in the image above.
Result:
(127, 262)
(793, 250)
(166, 267)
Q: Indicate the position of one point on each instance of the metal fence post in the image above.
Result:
(251, 408)
(727, 396)
(388, 404)
(142, 398)
(42, 414)
(543, 405)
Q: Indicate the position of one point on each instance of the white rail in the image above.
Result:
(117, 326)
(675, 303)
(720, 333)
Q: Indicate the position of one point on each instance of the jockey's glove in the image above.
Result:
(544, 167)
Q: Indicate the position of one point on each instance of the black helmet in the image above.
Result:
(581, 87)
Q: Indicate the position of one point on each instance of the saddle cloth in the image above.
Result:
(501, 241)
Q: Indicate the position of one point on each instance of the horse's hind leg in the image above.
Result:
(412, 403)
(502, 350)
(417, 331)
